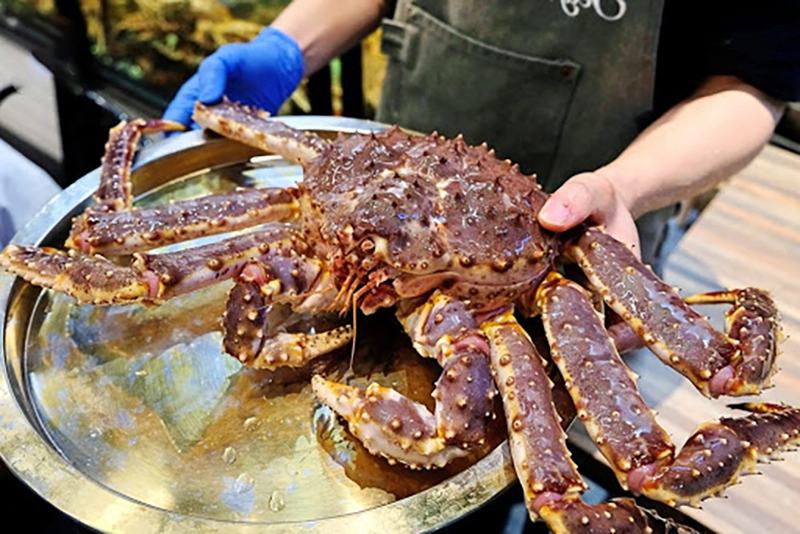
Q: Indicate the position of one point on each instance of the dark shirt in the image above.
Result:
(758, 42)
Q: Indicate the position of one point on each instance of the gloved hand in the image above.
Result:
(262, 73)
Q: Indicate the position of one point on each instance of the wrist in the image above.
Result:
(302, 37)
(626, 191)
(291, 59)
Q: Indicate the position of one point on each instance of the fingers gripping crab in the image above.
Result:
(446, 233)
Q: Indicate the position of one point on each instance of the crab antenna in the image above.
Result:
(355, 332)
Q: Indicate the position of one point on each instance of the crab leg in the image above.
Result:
(111, 227)
(388, 423)
(443, 328)
(285, 275)
(601, 386)
(394, 426)
(718, 452)
(124, 232)
(255, 128)
(550, 480)
(184, 271)
(152, 278)
(538, 443)
(715, 363)
(114, 191)
(621, 516)
(88, 279)
(624, 428)
(751, 320)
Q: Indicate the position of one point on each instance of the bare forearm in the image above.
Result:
(693, 146)
(326, 28)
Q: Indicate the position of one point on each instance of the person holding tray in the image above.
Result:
(620, 108)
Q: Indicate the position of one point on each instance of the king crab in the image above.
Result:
(446, 233)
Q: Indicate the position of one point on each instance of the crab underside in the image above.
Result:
(446, 233)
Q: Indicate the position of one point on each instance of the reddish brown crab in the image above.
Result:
(446, 233)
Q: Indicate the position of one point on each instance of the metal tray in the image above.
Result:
(132, 419)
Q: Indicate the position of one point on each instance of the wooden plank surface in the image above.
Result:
(748, 236)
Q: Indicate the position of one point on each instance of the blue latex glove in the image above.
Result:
(262, 73)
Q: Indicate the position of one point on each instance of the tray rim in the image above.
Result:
(32, 458)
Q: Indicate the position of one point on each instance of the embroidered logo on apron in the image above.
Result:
(572, 8)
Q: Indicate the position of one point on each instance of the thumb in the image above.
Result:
(569, 205)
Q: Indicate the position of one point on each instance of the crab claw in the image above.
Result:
(752, 323)
(739, 363)
(388, 423)
(718, 452)
(281, 273)
(392, 425)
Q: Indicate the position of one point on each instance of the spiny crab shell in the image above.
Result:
(435, 212)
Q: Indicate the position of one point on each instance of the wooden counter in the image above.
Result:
(748, 236)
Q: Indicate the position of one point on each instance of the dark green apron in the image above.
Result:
(558, 86)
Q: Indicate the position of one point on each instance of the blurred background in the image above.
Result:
(71, 69)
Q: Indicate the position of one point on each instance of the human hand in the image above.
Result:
(262, 73)
(590, 197)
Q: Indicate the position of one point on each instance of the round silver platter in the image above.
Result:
(132, 418)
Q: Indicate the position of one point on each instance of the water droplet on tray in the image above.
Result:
(276, 502)
(243, 483)
(229, 455)
(250, 424)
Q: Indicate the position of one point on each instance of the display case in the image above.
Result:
(158, 44)
(116, 59)
(153, 45)
(28, 11)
